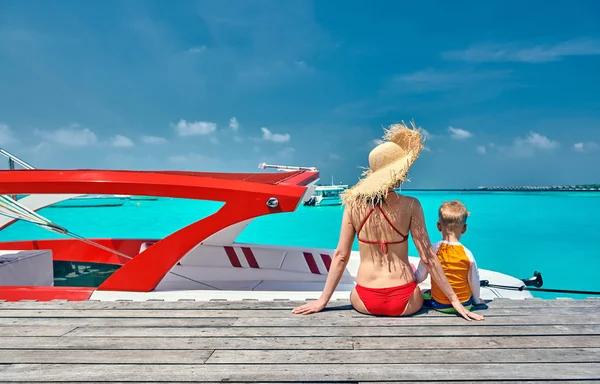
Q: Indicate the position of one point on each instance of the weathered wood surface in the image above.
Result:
(404, 356)
(297, 372)
(276, 313)
(264, 305)
(525, 340)
(390, 331)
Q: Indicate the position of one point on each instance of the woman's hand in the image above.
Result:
(341, 256)
(312, 307)
(468, 315)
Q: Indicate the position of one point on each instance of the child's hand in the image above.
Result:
(462, 311)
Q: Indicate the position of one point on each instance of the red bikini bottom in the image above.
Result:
(386, 301)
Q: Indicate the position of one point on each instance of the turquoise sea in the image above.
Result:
(516, 233)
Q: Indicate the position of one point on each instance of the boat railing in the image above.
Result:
(287, 168)
(12, 160)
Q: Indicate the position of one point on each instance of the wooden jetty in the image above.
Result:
(247, 341)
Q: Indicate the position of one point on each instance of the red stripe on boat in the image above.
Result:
(250, 257)
(326, 260)
(233, 259)
(312, 265)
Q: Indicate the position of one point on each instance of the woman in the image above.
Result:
(385, 282)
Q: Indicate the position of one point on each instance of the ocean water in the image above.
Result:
(515, 233)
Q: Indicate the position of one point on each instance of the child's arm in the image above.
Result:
(421, 273)
(474, 283)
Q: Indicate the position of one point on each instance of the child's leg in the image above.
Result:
(448, 308)
(427, 298)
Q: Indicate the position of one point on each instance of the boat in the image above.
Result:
(327, 195)
(201, 261)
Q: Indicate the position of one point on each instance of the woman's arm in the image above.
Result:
(341, 256)
(431, 262)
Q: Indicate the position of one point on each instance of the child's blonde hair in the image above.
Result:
(453, 214)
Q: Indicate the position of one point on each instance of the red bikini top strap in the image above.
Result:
(390, 223)
(364, 221)
(384, 244)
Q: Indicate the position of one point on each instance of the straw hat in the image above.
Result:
(389, 163)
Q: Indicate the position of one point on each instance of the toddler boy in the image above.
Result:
(457, 261)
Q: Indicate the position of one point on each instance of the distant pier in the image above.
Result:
(554, 188)
(558, 188)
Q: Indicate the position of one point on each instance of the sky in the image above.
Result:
(507, 92)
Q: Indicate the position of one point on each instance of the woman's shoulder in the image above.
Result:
(411, 202)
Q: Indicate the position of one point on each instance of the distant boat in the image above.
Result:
(327, 195)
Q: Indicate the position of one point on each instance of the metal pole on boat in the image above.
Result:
(536, 281)
(12, 159)
(286, 167)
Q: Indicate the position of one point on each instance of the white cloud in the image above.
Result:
(213, 140)
(195, 128)
(459, 134)
(6, 136)
(238, 139)
(585, 147)
(197, 50)
(302, 66)
(73, 136)
(532, 54)
(234, 124)
(275, 137)
(481, 150)
(121, 141)
(528, 146)
(538, 141)
(334, 156)
(430, 80)
(426, 134)
(153, 140)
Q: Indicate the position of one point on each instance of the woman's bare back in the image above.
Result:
(384, 265)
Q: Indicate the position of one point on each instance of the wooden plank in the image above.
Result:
(409, 356)
(118, 322)
(349, 382)
(301, 321)
(241, 304)
(371, 321)
(165, 313)
(35, 331)
(474, 382)
(67, 342)
(275, 313)
(282, 373)
(245, 305)
(86, 356)
(479, 342)
(440, 330)
(536, 303)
